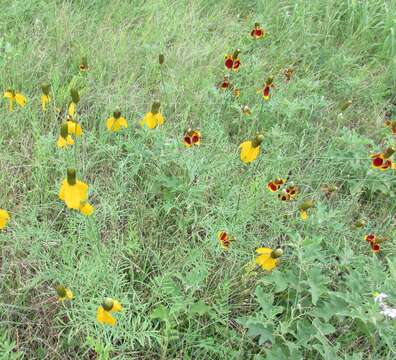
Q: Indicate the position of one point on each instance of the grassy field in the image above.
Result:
(152, 241)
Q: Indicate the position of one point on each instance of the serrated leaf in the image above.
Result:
(317, 284)
(324, 328)
(264, 299)
(263, 331)
(279, 279)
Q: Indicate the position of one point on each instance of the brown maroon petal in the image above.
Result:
(228, 63)
(236, 64)
(377, 162)
(187, 140)
(195, 138)
(259, 32)
(370, 237)
(387, 164)
(223, 236)
(266, 91)
(375, 247)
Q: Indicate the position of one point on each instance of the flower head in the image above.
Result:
(224, 239)
(72, 107)
(250, 149)
(275, 185)
(258, 32)
(4, 218)
(64, 293)
(232, 61)
(64, 139)
(84, 64)
(267, 88)
(304, 207)
(103, 314)
(381, 160)
(116, 122)
(268, 259)
(192, 137)
(45, 98)
(153, 118)
(75, 193)
(288, 193)
(12, 96)
(225, 83)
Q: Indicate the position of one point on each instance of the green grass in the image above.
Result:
(151, 242)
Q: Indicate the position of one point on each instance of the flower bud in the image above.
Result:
(307, 204)
(257, 140)
(389, 152)
(61, 291)
(64, 130)
(45, 89)
(276, 253)
(117, 114)
(75, 95)
(155, 107)
(108, 304)
(161, 58)
(71, 176)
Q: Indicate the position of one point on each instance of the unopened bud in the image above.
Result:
(155, 107)
(61, 291)
(75, 95)
(64, 130)
(45, 88)
(257, 140)
(108, 304)
(71, 176)
(161, 58)
(307, 204)
(276, 253)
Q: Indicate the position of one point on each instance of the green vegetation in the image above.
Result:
(151, 242)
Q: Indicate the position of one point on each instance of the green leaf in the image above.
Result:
(324, 328)
(305, 331)
(279, 279)
(199, 308)
(263, 331)
(317, 284)
(264, 299)
(161, 313)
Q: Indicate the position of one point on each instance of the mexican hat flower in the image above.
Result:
(304, 207)
(225, 84)
(267, 258)
(288, 193)
(288, 72)
(153, 118)
(381, 160)
(375, 241)
(64, 139)
(232, 61)
(275, 185)
(258, 32)
(84, 64)
(64, 293)
(75, 193)
(73, 127)
(267, 88)
(224, 239)
(116, 122)
(45, 98)
(392, 125)
(72, 107)
(12, 96)
(104, 312)
(250, 149)
(4, 218)
(192, 137)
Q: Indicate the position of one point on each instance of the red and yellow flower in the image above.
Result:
(267, 88)
(382, 161)
(232, 62)
(104, 312)
(375, 241)
(258, 32)
(192, 137)
(288, 193)
(275, 185)
(250, 149)
(267, 258)
(224, 239)
(12, 96)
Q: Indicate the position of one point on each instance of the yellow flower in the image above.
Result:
(45, 98)
(307, 204)
(153, 118)
(64, 293)
(72, 108)
(64, 139)
(116, 122)
(250, 149)
(75, 193)
(103, 314)
(74, 127)
(4, 217)
(12, 96)
(268, 258)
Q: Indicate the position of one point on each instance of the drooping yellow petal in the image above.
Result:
(71, 110)
(122, 122)
(303, 215)
(68, 295)
(248, 152)
(4, 217)
(159, 118)
(104, 317)
(20, 99)
(45, 99)
(268, 263)
(116, 306)
(8, 95)
(74, 128)
(151, 120)
(263, 250)
(73, 195)
(110, 123)
(87, 209)
(62, 142)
